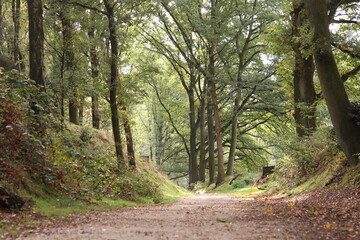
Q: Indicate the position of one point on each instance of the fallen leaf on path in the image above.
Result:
(224, 220)
(269, 209)
(331, 226)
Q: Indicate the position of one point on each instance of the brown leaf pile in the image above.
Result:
(333, 214)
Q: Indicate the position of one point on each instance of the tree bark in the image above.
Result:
(193, 159)
(233, 139)
(81, 111)
(95, 112)
(113, 83)
(129, 137)
(17, 57)
(1, 23)
(347, 132)
(36, 42)
(304, 91)
(211, 136)
(202, 164)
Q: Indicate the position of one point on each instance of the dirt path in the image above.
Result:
(204, 216)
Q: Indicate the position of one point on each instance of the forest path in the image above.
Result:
(204, 216)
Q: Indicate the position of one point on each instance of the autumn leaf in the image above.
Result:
(330, 226)
(269, 209)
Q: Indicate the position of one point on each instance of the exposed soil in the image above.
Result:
(210, 216)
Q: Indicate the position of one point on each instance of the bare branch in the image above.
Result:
(345, 21)
(351, 73)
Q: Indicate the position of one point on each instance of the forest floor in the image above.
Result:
(318, 215)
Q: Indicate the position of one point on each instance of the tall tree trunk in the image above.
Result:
(304, 91)
(69, 55)
(157, 131)
(220, 151)
(113, 83)
(81, 111)
(218, 133)
(94, 61)
(337, 101)
(16, 7)
(62, 89)
(233, 139)
(36, 42)
(129, 137)
(211, 136)
(95, 112)
(192, 158)
(212, 86)
(62, 107)
(202, 164)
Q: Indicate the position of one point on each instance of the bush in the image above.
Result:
(23, 140)
(246, 179)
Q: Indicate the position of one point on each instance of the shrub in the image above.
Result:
(246, 179)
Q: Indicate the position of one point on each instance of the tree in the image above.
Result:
(94, 61)
(36, 42)
(110, 14)
(182, 46)
(69, 60)
(337, 101)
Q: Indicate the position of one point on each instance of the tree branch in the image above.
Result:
(344, 21)
(351, 73)
(89, 7)
(346, 49)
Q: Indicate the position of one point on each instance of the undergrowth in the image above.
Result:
(311, 163)
(65, 167)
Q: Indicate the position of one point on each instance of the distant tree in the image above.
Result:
(174, 51)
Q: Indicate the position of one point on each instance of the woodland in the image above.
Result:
(108, 100)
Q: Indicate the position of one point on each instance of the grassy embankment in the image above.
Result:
(80, 175)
